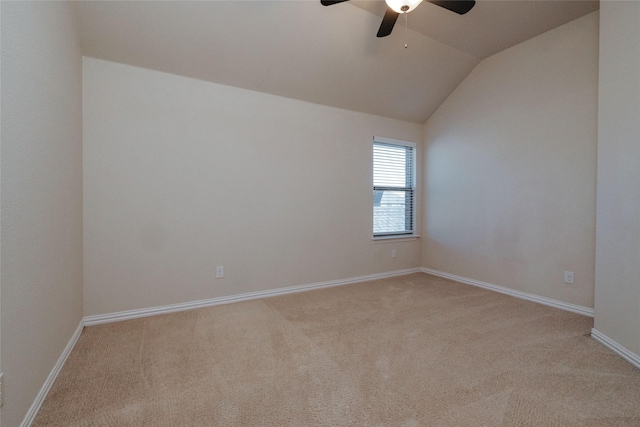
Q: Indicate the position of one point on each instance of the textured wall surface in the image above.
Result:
(182, 175)
(510, 168)
(41, 196)
(618, 231)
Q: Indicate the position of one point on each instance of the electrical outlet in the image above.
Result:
(568, 277)
(393, 253)
(1, 388)
(219, 272)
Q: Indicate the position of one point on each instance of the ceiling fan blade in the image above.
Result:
(330, 2)
(388, 21)
(459, 7)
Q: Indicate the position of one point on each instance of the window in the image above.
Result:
(393, 187)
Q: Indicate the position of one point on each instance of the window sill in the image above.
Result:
(383, 239)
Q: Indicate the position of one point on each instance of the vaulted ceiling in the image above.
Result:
(325, 55)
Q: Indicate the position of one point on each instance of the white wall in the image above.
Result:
(41, 196)
(181, 175)
(618, 230)
(510, 168)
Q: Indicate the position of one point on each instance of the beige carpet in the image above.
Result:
(409, 351)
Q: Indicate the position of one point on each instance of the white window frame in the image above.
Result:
(409, 234)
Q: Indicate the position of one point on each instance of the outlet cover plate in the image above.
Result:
(568, 277)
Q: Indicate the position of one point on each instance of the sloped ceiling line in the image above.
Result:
(324, 55)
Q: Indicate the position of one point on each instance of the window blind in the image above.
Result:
(393, 187)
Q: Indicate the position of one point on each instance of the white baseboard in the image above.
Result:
(42, 394)
(152, 311)
(621, 351)
(586, 311)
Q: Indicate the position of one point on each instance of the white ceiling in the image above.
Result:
(326, 55)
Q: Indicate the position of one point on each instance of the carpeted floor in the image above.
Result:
(409, 351)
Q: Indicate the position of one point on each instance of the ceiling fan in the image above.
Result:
(396, 7)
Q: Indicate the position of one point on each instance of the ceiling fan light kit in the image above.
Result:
(403, 6)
